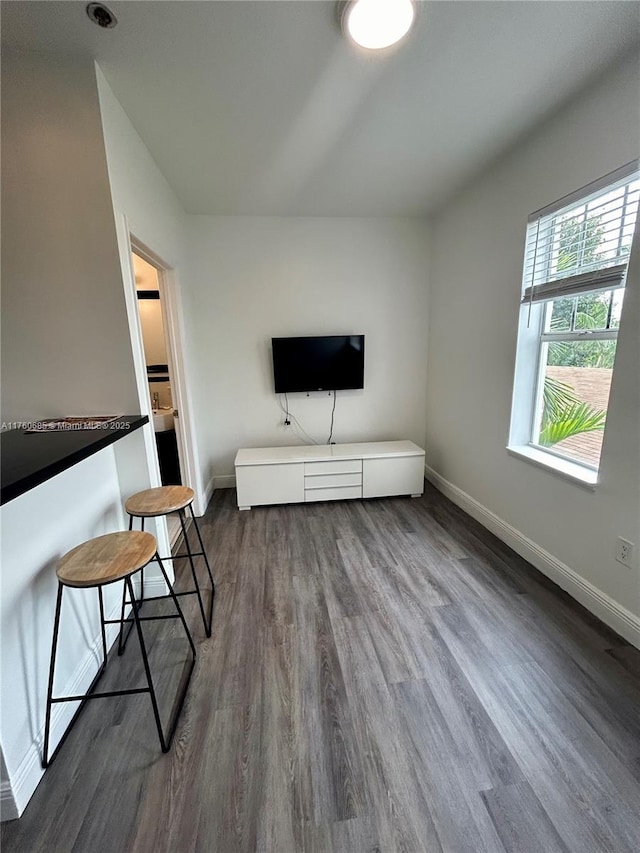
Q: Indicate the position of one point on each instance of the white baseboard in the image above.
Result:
(219, 481)
(16, 793)
(612, 613)
(208, 491)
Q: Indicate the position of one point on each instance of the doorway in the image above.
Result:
(166, 280)
(160, 378)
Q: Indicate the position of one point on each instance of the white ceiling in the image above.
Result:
(264, 108)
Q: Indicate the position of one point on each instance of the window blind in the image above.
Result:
(582, 243)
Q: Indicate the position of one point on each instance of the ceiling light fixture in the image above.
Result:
(101, 16)
(376, 24)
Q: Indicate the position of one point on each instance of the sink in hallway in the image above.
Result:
(162, 420)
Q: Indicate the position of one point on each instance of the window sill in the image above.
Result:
(571, 471)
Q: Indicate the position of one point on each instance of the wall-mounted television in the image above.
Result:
(328, 363)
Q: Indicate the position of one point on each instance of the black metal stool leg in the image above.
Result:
(52, 666)
(47, 759)
(207, 627)
(175, 601)
(145, 660)
(206, 562)
(142, 569)
(122, 638)
(165, 744)
(103, 628)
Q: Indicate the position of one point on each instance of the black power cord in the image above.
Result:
(291, 419)
(333, 411)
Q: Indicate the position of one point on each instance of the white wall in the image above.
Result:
(242, 280)
(145, 206)
(253, 278)
(139, 190)
(478, 243)
(65, 343)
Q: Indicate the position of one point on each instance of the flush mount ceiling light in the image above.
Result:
(101, 16)
(376, 24)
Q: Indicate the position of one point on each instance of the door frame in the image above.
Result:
(169, 285)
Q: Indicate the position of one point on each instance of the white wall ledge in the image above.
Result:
(571, 471)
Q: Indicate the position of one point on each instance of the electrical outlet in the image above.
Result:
(624, 552)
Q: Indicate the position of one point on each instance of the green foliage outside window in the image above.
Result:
(578, 244)
(591, 311)
(564, 415)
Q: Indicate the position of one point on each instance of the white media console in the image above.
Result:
(282, 475)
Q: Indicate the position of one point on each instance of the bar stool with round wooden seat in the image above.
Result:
(92, 565)
(160, 501)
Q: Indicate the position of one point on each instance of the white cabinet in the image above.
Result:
(270, 484)
(392, 476)
(275, 475)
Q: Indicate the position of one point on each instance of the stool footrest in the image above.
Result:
(142, 618)
(185, 556)
(82, 697)
(141, 601)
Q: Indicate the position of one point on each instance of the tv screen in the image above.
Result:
(330, 363)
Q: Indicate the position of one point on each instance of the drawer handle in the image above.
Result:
(337, 486)
(329, 473)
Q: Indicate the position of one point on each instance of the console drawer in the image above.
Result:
(335, 494)
(322, 481)
(333, 466)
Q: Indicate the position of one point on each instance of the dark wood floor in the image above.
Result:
(383, 676)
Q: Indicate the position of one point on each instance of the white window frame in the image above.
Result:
(540, 286)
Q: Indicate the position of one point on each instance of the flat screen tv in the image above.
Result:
(330, 363)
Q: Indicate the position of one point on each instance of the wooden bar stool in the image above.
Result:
(164, 500)
(92, 565)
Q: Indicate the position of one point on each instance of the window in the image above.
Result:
(574, 274)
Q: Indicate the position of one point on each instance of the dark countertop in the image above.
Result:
(29, 459)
